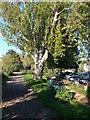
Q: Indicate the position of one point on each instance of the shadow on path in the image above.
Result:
(19, 101)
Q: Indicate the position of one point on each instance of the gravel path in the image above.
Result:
(21, 102)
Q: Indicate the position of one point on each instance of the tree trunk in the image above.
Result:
(39, 64)
(26, 64)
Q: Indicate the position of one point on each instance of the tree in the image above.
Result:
(39, 28)
(11, 62)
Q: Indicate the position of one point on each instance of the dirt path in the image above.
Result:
(20, 102)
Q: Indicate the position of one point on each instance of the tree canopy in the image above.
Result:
(11, 62)
(55, 27)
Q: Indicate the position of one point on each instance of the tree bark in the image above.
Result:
(39, 64)
(26, 64)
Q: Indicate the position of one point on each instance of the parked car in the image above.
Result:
(84, 81)
(74, 77)
(84, 78)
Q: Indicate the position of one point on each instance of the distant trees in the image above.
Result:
(11, 62)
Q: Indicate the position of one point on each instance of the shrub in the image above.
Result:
(11, 62)
(66, 96)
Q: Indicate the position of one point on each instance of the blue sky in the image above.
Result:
(4, 46)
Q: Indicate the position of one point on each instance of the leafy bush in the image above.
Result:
(11, 62)
(66, 96)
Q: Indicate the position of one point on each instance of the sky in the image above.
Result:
(4, 46)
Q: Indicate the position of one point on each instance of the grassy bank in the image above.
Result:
(75, 87)
(64, 109)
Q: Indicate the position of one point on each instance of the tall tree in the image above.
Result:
(11, 62)
(39, 28)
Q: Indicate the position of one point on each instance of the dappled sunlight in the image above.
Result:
(19, 101)
(29, 96)
(64, 108)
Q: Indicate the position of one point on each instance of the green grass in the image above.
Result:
(76, 88)
(79, 89)
(64, 109)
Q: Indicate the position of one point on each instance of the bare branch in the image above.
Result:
(62, 11)
(24, 36)
(19, 32)
(33, 57)
(56, 15)
(45, 56)
(55, 19)
(65, 27)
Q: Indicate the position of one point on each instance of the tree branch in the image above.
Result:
(33, 57)
(19, 32)
(45, 56)
(65, 27)
(56, 15)
(24, 36)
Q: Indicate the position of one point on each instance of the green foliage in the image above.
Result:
(81, 66)
(65, 95)
(32, 28)
(64, 109)
(76, 88)
(50, 61)
(11, 62)
(3, 78)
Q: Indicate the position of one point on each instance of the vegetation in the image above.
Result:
(76, 88)
(50, 35)
(11, 62)
(65, 107)
(79, 89)
(3, 78)
(40, 28)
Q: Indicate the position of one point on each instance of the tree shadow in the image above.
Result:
(65, 109)
(22, 103)
(14, 89)
(29, 108)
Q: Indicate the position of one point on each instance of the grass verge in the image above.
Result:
(64, 109)
(76, 88)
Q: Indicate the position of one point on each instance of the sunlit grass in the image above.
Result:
(76, 88)
(64, 109)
